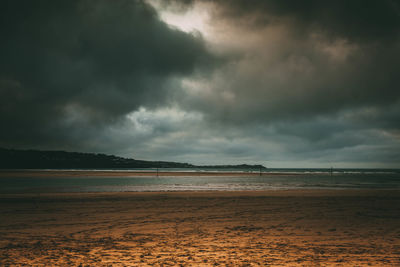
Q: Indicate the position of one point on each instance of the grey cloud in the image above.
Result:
(354, 20)
(305, 82)
(318, 79)
(84, 61)
(335, 56)
(279, 145)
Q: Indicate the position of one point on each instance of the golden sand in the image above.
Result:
(277, 228)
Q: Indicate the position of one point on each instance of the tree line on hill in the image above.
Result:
(37, 159)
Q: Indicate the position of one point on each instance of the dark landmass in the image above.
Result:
(36, 159)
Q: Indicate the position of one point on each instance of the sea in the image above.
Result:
(271, 179)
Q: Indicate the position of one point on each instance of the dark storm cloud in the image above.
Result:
(317, 78)
(71, 64)
(301, 82)
(355, 20)
(304, 58)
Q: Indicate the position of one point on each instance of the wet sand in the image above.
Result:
(294, 228)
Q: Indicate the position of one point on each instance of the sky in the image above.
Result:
(303, 83)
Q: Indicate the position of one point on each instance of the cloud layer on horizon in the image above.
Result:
(305, 83)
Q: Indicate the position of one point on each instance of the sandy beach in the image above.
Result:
(294, 228)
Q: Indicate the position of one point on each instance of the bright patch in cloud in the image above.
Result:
(194, 19)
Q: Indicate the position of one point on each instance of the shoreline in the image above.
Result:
(127, 173)
(214, 193)
(99, 181)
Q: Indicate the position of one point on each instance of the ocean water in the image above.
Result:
(269, 180)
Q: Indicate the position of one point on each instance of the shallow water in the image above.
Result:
(303, 179)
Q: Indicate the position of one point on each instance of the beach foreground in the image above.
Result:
(296, 227)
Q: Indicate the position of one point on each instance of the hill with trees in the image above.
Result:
(37, 159)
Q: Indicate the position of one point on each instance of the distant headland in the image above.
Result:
(38, 159)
